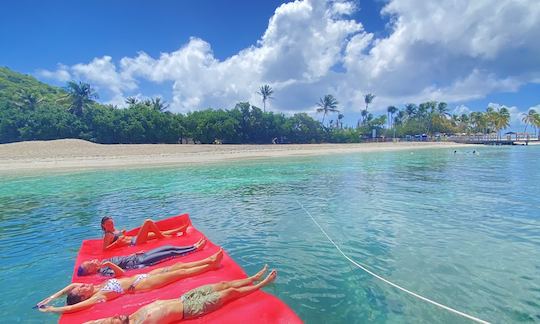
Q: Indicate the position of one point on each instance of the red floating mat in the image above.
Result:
(258, 307)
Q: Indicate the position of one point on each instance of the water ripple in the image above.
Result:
(461, 229)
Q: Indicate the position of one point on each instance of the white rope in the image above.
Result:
(388, 281)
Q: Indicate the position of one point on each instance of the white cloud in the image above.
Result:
(451, 50)
(460, 110)
(61, 74)
(536, 108)
(102, 73)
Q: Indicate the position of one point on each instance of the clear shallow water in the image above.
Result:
(461, 229)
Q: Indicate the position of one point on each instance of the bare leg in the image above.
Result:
(148, 231)
(230, 294)
(158, 280)
(239, 283)
(199, 244)
(175, 230)
(180, 265)
(172, 232)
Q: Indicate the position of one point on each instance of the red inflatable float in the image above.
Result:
(259, 307)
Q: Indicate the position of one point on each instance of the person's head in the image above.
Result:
(107, 224)
(88, 267)
(79, 294)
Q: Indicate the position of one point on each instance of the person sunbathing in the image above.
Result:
(116, 266)
(81, 296)
(113, 238)
(194, 303)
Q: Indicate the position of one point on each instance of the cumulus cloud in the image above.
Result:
(451, 50)
(60, 74)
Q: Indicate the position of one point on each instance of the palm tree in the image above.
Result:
(478, 121)
(529, 118)
(131, 101)
(442, 109)
(464, 122)
(339, 118)
(536, 124)
(502, 119)
(368, 98)
(327, 104)
(266, 93)
(28, 100)
(423, 110)
(455, 119)
(364, 113)
(400, 116)
(81, 95)
(158, 104)
(391, 110)
(410, 110)
(491, 118)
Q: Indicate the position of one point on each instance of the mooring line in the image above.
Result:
(450, 309)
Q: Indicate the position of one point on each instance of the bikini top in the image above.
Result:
(116, 236)
(112, 285)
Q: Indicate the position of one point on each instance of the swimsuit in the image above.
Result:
(112, 285)
(200, 301)
(117, 235)
(149, 258)
(138, 278)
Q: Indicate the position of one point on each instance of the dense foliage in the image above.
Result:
(31, 110)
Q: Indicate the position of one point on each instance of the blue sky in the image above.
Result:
(199, 54)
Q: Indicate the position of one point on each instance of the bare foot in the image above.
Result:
(259, 274)
(216, 258)
(199, 244)
(219, 256)
(271, 277)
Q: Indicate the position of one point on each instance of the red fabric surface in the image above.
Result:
(259, 307)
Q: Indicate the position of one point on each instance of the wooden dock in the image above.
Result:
(484, 141)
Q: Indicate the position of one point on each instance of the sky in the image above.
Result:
(215, 53)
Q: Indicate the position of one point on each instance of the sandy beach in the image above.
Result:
(72, 154)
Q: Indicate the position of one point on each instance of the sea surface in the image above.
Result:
(462, 229)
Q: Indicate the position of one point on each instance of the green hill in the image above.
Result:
(14, 84)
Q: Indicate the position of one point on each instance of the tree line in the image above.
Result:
(74, 113)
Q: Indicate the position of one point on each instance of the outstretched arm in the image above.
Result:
(118, 272)
(70, 308)
(59, 293)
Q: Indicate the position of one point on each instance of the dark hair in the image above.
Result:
(103, 220)
(73, 298)
(124, 319)
(81, 271)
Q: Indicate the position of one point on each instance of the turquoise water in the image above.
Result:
(462, 229)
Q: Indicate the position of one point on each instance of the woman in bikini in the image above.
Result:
(113, 238)
(116, 266)
(195, 303)
(81, 296)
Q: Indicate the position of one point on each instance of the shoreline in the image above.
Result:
(74, 155)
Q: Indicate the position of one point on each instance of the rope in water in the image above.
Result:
(388, 281)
